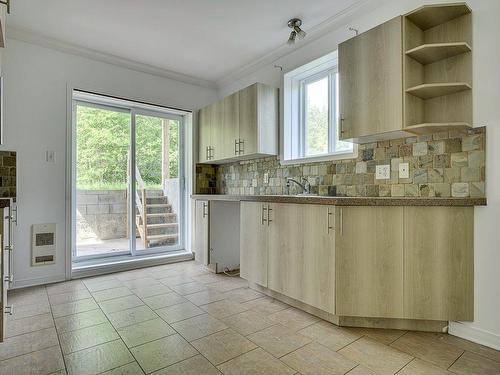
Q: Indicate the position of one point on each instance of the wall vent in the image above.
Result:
(43, 244)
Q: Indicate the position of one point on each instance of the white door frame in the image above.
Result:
(185, 164)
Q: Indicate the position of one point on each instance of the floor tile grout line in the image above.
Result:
(57, 335)
(460, 356)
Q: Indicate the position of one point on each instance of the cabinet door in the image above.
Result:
(439, 263)
(301, 254)
(249, 120)
(231, 125)
(217, 131)
(254, 242)
(370, 81)
(201, 241)
(369, 261)
(204, 133)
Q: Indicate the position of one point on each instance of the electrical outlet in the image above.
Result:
(50, 156)
(266, 178)
(383, 172)
(404, 170)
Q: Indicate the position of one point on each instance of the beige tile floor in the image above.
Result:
(180, 319)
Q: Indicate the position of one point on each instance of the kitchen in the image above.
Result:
(329, 199)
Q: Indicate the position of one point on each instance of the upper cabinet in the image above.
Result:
(241, 126)
(370, 72)
(410, 75)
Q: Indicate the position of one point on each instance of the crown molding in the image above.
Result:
(31, 37)
(316, 32)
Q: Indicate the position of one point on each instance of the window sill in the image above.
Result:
(321, 158)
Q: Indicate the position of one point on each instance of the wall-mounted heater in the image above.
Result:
(43, 244)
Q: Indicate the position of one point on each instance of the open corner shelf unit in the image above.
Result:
(437, 68)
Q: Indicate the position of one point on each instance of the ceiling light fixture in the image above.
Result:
(296, 32)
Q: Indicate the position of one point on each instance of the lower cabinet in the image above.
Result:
(439, 263)
(369, 258)
(363, 261)
(201, 240)
(302, 254)
(289, 248)
(254, 239)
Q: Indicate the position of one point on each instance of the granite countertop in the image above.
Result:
(346, 201)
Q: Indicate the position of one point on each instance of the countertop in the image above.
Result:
(346, 201)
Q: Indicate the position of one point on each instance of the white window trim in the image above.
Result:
(292, 136)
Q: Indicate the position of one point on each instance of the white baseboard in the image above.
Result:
(37, 281)
(474, 334)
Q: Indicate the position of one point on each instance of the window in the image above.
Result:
(311, 117)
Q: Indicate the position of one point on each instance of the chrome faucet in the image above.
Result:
(306, 187)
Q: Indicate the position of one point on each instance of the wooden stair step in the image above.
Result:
(161, 237)
(163, 225)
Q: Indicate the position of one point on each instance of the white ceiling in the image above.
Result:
(205, 39)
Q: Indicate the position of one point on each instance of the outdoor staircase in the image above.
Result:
(155, 220)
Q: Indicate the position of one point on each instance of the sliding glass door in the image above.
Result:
(127, 178)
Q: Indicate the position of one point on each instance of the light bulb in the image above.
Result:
(300, 33)
(291, 39)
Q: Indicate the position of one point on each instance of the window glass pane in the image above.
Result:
(340, 146)
(316, 117)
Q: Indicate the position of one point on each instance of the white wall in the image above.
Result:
(35, 83)
(486, 52)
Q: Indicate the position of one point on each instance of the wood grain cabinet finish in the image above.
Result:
(241, 126)
(438, 263)
(302, 254)
(201, 239)
(254, 241)
(370, 82)
(369, 261)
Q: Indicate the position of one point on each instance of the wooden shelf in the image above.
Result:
(429, 16)
(433, 90)
(429, 53)
(428, 128)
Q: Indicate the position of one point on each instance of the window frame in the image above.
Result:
(294, 126)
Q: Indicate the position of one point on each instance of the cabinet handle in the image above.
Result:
(241, 148)
(205, 209)
(236, 147)
(342, 124)
(207, 153)
(329, 227)
(341, 221)
(263, 217)
(269, 215)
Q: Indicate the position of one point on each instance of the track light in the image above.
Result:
(297, 32)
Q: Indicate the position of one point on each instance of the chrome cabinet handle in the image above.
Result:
(205, 209)
(263, 217)
(269, 215)
(342, 119)
(207, 155)
(329, 227)
(341, 221)
(9, 310)
(236, 146)
(241, 147)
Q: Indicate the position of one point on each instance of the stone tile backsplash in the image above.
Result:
(8, 174)
(446, 164)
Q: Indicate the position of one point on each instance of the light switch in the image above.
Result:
(50, 156)
(266, 178)
(404, 170)
(383, 172)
